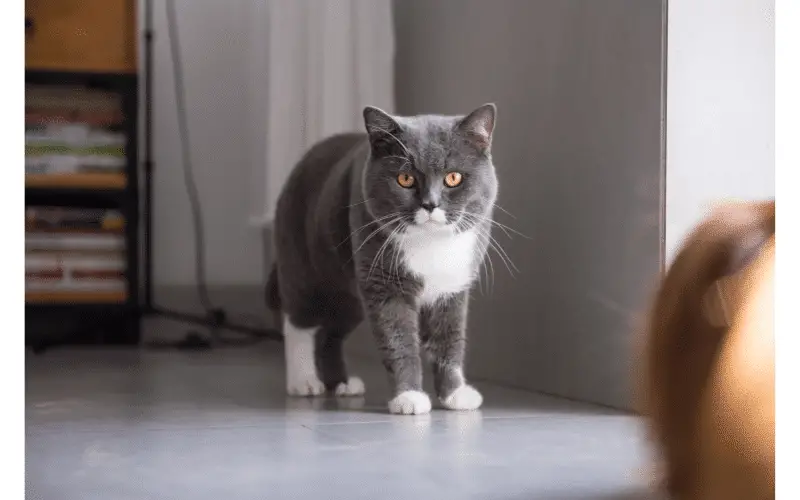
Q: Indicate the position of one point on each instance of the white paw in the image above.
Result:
(305, 386)
(410, 403)
(353, 387)
(465, 397)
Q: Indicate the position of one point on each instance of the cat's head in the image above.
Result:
(431, 172)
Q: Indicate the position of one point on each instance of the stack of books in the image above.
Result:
(74, 254)
(73, 137)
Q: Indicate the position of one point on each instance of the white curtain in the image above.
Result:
(327, 59)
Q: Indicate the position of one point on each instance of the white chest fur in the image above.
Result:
(443, 261)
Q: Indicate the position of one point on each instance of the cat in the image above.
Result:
(706, 377)
(388, 226)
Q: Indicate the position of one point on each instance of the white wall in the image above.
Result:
(225, 97)
(720, 108)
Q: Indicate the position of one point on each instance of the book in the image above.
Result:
(73, 148)
(44, 275)
(48, 104)
(74, 137)
(78, 134)
(59, 165)
(55, 260)
(68, 219)
(37, 240)
(97, 118)
(74, 271)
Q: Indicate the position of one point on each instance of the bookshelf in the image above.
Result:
(81, 171)
(76, 181)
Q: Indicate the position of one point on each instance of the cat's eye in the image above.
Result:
(405, 180)
(453, 179)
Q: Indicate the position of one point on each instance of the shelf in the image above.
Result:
(87, 48)
(76, 181)
(77, 77)
(81, 34)
(75, 297)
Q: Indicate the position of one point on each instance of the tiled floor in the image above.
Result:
(135, 425)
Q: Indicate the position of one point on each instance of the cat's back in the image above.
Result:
(322, 164)
(311, 216)
(319, 183)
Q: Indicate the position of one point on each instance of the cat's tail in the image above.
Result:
(273, 294)
(684, 335)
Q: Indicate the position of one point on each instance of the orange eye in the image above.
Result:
(405, 180)
(453, 179)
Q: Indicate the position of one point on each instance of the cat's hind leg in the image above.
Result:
(302, 377)
(286, 296)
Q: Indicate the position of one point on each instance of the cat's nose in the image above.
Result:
(429, 206)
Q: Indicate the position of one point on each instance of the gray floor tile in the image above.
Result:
(131, 424)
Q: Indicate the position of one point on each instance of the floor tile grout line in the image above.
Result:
(51, 431)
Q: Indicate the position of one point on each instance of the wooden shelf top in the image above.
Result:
(75, 297)
(77, 181)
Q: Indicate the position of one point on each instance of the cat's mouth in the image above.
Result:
(430, 218)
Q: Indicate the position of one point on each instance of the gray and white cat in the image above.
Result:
(391, 226)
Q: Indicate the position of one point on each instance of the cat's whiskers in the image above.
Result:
(492, 243)
(393, 244)
(461, 225)
(504, 210)
(488, 269)
(504, 257)
(500, 226)
(359, 203)
(394, 265)
(406, 160)
(379, 255)
(501, 252)
(487, 266)
(379, 219)
(372, 235)
(388, 273)
(382, 251)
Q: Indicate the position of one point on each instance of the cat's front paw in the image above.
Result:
(353, 387)
(305, 386)
(410, 403)
(465, 397)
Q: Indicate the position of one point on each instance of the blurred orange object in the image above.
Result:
(81, 35)
(708, 381)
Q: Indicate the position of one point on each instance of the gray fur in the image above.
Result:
(336, 263)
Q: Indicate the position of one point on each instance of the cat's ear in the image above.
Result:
(376, 119)
(478, 126)
(383, 130)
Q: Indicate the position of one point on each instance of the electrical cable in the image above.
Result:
(186, 161)
(215, 316)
